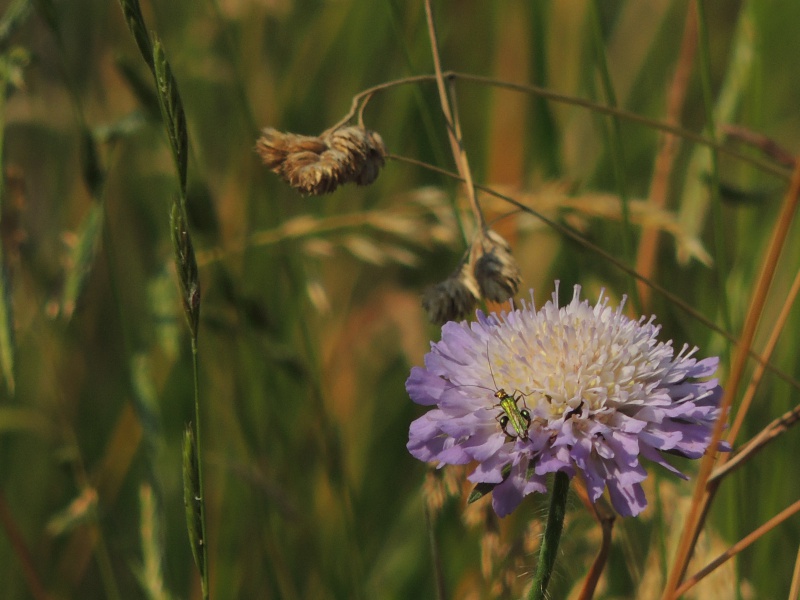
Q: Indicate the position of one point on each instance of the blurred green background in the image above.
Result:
(310, 323)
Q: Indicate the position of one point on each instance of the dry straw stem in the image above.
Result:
(758, 373)
(738, 547)
(555, 200)
(755, 444)
(150, 573)
(765, 144)
(696, 516)
(665, 159)
(794, 592)
(605, 517)
(453, 126)
(424, 226)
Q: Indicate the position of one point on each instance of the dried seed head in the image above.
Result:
(453, 298)
(318, 165)
(376, 158)
(496, 271)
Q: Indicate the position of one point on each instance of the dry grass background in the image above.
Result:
(310, 315)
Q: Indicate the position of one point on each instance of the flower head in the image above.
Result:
(488, 271)
(318, 165)
(496, 271)
(579, 389)
(452, 298)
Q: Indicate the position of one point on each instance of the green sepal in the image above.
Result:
(482, 489)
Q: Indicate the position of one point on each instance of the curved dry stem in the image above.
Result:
(758, 373)
(756, 443)
(778, 170)
(736, 548)
(665, 159)
(605, 517)
(453, 125)
(794, 591)
(694, 520)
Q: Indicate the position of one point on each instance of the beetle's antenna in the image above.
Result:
(489, 358)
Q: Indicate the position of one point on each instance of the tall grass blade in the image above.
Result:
(133, 17)
(695, 194)
(193, 503)
(172, 112)
(186, 264)
(7, 345)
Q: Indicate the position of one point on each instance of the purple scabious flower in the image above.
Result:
(578, 388)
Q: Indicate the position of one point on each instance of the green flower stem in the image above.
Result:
(552, 534)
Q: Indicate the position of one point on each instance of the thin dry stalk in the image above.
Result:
(756, 443)
(758, 373)
(659, 186)
(359, 101)
(453, 127)
(738, 547)
(794, 591)
(694, 520)
(765, 144)
(605, 517)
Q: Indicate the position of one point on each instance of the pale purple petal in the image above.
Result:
(587, 389)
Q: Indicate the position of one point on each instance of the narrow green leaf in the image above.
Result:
(133, 17)
(193, 499)
(186, 265)
(82, 258)
(7, 345)
(172, 112)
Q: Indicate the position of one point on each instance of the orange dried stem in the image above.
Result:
(738, 547)
(694, 521)
(453, 126)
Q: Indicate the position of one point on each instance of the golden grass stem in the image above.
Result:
(665, 159)
(758, 372)
(696, 515)
(605, 517)
(451, 120)
(755, 444)
(738, 547)
(794, 591)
